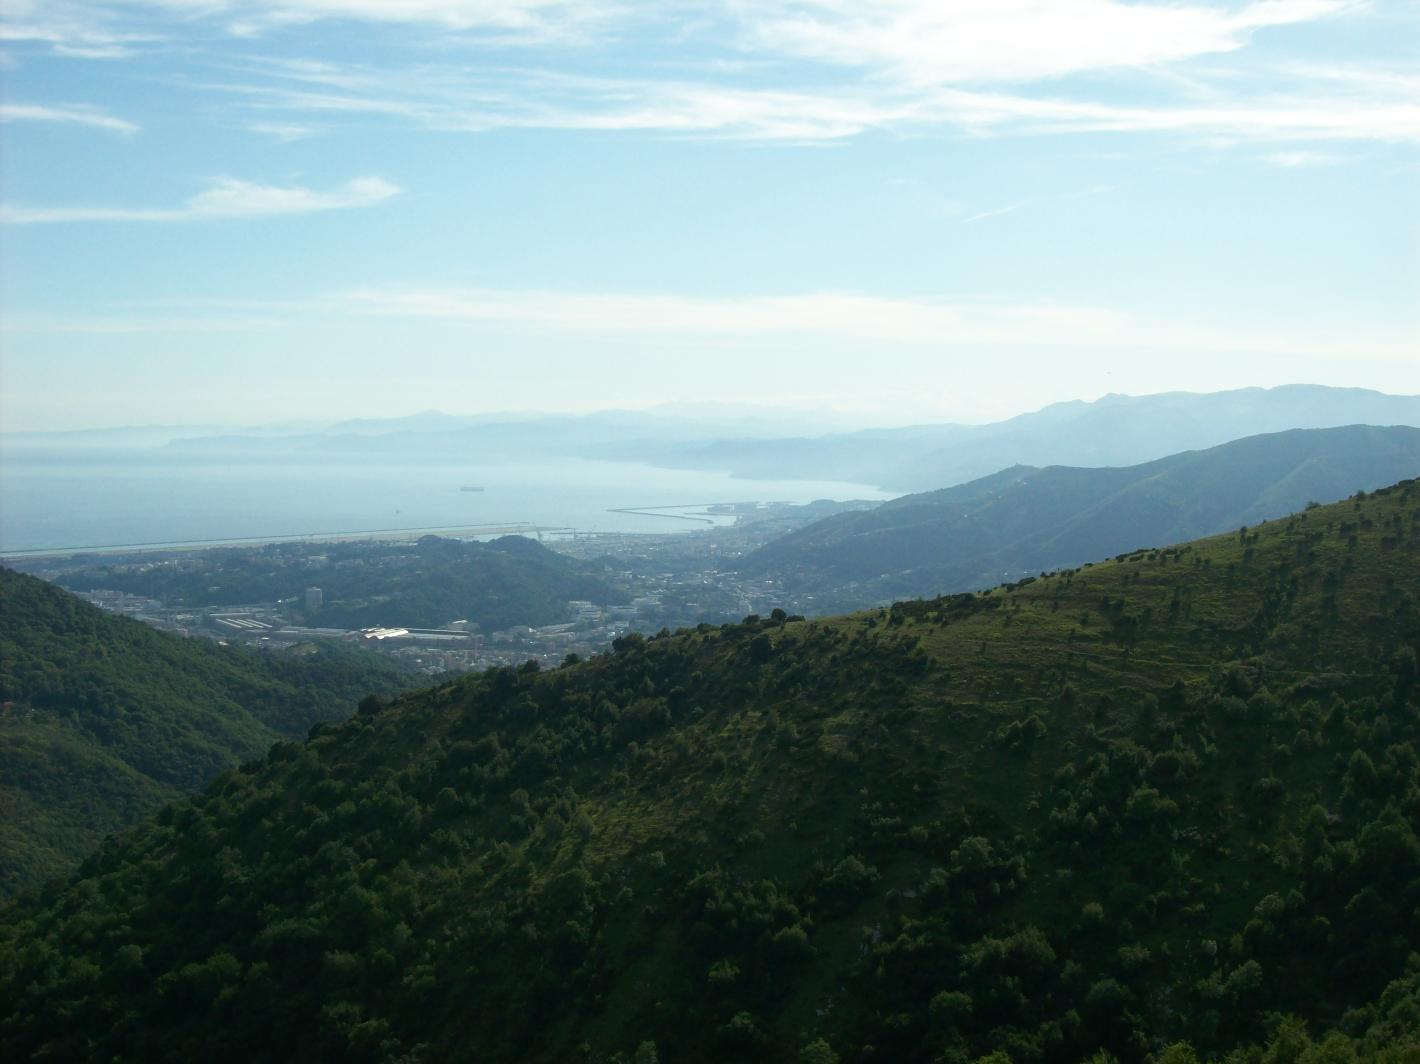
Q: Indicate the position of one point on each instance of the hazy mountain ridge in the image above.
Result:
(1112, 431)
(767, 443)
(1025, 519)
(1154, 799)
(625, 433)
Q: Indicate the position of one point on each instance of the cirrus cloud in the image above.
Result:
(1299, 108)
(805, 71)
(926, 42)
(933, 322)
(72, 114)
(226, 198)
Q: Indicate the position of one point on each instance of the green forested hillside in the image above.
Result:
(1167, 798)
(104, 719)
(1022, 520)
(512, 580)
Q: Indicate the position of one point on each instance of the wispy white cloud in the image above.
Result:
(453, 99)
(1293, 114)
(132, 324)
(1293, 159)
(839, 68)
(282, 131)
(105, 29)
(72, 114)
(1335, 76)
(842, 314)
(958, 325)
(926, 42)
(514, 19)
(1062, 197)
(227, 198)
(69, 28)
(996, 211)
(938, 322)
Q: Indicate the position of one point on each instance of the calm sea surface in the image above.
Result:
(58, 499)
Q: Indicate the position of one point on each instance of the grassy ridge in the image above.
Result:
(1154, 799)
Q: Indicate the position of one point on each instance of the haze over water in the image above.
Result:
(96, 498)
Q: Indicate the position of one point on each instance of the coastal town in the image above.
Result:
(458, 646)
(656, 581)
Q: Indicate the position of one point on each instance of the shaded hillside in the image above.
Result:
(1117, 430)
(1160, 798)
(104, 719)
(1023, 520)
(511, 580)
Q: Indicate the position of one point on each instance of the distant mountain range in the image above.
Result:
(773, 444)
(434, 438)
(431, 434)
(1117, 430)
(1025, 519)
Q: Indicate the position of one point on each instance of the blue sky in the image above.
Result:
(896, 209)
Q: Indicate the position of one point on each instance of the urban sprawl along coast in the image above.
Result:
(670, 580)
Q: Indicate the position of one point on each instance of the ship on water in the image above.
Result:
(471, 487)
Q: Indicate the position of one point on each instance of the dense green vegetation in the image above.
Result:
(1166, 799)
(105, 719)
(1022, 520)
(512, 580)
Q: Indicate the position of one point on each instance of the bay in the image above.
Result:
(88, 498)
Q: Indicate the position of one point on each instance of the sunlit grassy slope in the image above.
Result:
(1158, 798)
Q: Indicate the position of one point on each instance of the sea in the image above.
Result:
(78, 499)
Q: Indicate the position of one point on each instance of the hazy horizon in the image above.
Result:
(707, 413)
(902, 211)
